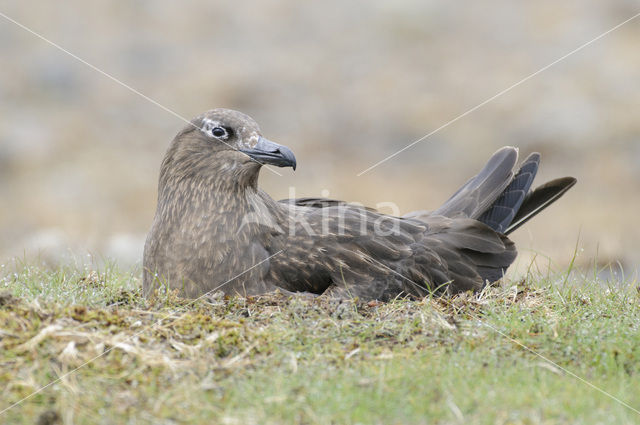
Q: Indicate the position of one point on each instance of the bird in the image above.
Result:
(215, 230)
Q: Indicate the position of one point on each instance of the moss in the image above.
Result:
(97, 316)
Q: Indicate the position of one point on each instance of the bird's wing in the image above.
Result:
(354, 252)
(341, 243)
(473, 251)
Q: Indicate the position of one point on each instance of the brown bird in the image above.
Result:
(214, 229)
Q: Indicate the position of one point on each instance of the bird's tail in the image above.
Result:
(539, 199)
(516, 204)
(503, 210)
(499, 195)
(480, 192)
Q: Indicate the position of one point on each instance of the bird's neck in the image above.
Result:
(202, 171)
(218, 204)
(205, 193)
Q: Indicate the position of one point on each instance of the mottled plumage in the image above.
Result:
(214, 228)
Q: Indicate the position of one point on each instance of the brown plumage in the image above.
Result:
(214, 229)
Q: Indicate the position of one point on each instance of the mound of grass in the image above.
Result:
(508, 355)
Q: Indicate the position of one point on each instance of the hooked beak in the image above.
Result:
(268, 152)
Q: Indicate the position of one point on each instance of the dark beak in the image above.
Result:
(268, 152)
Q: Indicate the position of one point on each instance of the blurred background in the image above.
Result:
(344, 85)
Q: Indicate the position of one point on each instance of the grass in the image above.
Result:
(278, 359)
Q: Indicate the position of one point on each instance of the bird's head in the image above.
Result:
(224, 142)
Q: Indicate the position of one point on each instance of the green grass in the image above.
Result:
(279, 359)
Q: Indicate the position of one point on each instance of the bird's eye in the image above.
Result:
(219, 132)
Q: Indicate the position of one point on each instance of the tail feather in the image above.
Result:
(539, 199)
(502, 212)
(477, 194)
(498, 198)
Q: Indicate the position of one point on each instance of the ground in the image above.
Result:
(543, 350)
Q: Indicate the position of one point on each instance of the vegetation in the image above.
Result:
(113, 357)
